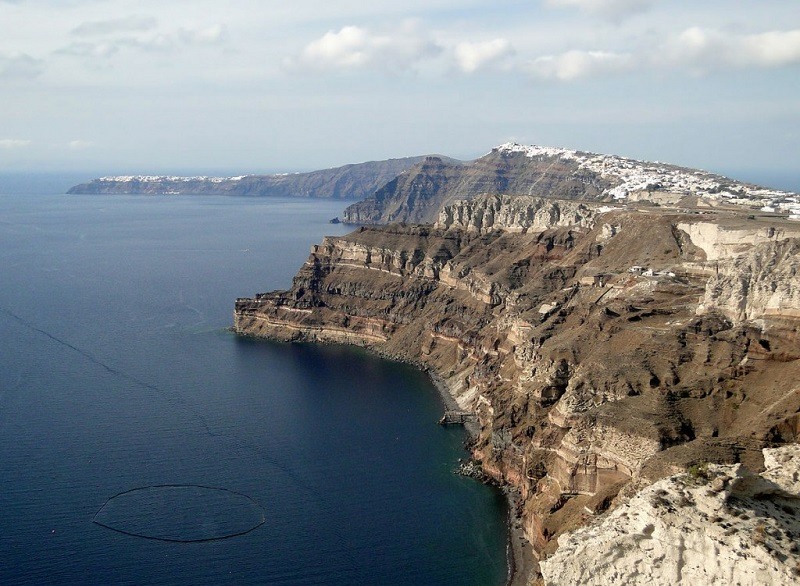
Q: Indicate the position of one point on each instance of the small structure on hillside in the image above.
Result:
(455, 417)
(598, 280)
(548, 308)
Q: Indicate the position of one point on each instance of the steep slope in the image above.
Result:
(347, 182)
(421, 192)
(717, 525)
(596, 347)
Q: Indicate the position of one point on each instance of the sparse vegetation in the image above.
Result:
(699, 473)
(759, 533)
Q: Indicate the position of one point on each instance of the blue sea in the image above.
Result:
(143, 443)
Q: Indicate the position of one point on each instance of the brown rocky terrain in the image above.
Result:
(418, 194)
(601, 349)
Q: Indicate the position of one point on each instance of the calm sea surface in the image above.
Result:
(117, 373)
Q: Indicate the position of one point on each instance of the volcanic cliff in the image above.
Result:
(601, 348)
(419, 193)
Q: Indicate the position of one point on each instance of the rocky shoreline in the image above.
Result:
(520, 556)
(522, 563)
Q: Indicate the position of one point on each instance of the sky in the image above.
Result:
(151, 86)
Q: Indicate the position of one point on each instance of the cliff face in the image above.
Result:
(422, 191)
(600, 349)
(516, 214)
(420, 186)
(761, 282)
(419, 193)
(347, 182)
(755, 270)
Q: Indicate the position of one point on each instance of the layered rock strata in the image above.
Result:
(418, 194)
(516, 214)
(600, 349)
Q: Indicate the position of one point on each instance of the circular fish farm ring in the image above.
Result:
(181, 513)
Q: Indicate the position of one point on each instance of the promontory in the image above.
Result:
(626, 335)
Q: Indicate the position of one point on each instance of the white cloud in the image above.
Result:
(354, 47)
(20, 66)
(709, 49)
(126, 24)
(150, 41)
(203, 36)
(102, 49)
(474, 56)
(13, 143)
(350, 47)
(695, 50)
(775, 48)
(614, 9)
(573, 65)
(79, 145)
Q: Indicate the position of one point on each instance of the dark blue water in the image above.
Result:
(117, 372)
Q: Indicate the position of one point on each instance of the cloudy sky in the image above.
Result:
(262, 85)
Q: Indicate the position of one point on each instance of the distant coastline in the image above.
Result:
(350, 182)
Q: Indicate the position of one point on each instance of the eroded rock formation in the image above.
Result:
(715, 525)
(516, 214)
(600, 348)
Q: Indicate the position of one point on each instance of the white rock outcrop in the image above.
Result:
(721, 243)
(716, 525)
(515, 214)
(763, 282)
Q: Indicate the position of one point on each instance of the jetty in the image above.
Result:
(456, 417)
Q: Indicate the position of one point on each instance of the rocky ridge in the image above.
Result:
(348, 182)
(601, 349)
(516, 214)
(419, 193)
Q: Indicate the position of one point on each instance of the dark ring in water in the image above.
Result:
(176, 540)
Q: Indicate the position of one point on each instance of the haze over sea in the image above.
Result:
(117, 372)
